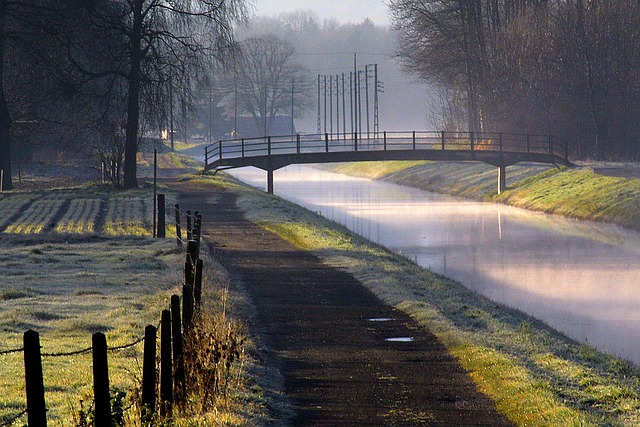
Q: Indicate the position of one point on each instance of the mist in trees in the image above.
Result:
(327, 47)
(265, 81)
(102, 70)
(568, 68)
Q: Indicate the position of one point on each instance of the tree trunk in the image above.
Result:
(133, 104)
(5, 117)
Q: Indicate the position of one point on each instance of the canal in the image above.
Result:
(581, 278)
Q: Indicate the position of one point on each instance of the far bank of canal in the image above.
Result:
(578, 277)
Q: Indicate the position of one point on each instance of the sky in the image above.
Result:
(341, 10)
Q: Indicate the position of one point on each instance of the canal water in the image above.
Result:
(579, 277)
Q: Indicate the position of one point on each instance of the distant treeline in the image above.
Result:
(566, 67)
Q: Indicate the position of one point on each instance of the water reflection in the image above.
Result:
(580, 278)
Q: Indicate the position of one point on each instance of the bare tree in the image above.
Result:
(566, 67)
(264, 80)
(162, 41)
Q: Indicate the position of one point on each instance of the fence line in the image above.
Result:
(174, 326)
(15, 350)
(14, 419)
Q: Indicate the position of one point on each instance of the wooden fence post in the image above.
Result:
(188, 225)
(178, 353)
(161, 233)
(188, 270)
(102, 400)
(36, 408)
(197, 284)
(192, 251)
(187, 308)
(149, 375)
(166, 365)
(178, 229)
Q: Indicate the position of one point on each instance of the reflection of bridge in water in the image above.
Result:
(498, 149)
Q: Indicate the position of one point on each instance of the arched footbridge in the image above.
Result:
(498, 149)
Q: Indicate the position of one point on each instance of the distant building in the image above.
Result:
(246, 127)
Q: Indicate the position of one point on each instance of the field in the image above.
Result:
(82, 260)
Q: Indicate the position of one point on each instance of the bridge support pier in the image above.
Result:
(270, 181)
(502, 179)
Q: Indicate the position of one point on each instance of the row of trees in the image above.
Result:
(104, 69)
(567, 67)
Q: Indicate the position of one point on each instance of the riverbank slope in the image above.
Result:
(607, 193)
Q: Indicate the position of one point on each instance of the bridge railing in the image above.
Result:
(385, 141)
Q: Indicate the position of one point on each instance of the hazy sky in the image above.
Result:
(341, 10)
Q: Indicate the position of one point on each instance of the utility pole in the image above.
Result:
(344, 112)
(292, 92)
(355, 88)
(351, 96)
(331, 105)
(235, 107)
(376, 118)
(210, 111)
(265, 111)
(366, 93)
(325, 104)
(171, 111)
(319, 113)
(359, 102)
(338, 107)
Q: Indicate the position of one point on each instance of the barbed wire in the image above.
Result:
(13, 420)
(15, 350)
(70, 353)
(75, 352)
(122, 347)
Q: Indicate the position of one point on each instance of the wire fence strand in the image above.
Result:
(10, 421)
(70, 353)
(122, 347)
(15, 350)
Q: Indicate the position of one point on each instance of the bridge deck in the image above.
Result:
(498, 149)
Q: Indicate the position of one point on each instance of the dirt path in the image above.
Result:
(338, 365)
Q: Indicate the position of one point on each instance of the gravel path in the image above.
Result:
(347, 358)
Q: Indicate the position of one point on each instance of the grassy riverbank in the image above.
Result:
(536, 376)
(578, 193)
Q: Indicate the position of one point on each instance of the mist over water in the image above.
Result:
(580, 278)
